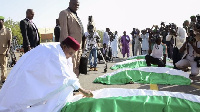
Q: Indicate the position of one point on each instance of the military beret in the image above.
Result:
(71, 42)
(1, 17)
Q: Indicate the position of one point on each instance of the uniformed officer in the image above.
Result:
(5, 37)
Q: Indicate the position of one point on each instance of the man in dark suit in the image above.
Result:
(57, 31)
(29, 31)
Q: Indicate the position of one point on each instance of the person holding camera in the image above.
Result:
(192, 23)
(106, 37)
(191, 58)
(163, 32)
(133, 33)
(186, 24)
(145, 42)
(138, 43)
(177, 36)
(197, 27)
(92, 39)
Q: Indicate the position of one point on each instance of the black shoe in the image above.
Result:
(75, 91)
(2, 81)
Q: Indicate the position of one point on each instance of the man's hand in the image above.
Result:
(173, 34)
(86, 92)
(150, 51)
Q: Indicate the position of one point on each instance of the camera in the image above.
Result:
(198, 21)
(112, 37)
(110, 33)
(191, 36)
(162, 24)
(91, 26)
(172, 28)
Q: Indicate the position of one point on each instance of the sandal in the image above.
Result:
(3, 79)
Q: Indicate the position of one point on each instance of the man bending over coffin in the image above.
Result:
(42, 80)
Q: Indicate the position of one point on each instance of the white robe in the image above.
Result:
(137, 46)
(43, 78)
(106, 39)
(114, 46)
(145, 41)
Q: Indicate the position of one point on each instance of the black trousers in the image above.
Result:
(25, 49)
(151, 60)
(169, 49)
(177, 56)
(133, 44)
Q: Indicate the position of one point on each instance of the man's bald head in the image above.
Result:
(74, 5)
(29, 14)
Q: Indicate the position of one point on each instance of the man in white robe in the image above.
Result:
(114, 45)
(106, 38)
(42, 80)
(145, 42)
(137, 47)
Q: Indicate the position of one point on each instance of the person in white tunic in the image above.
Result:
(106, 38)
(137, 47)
(114, 45)
(42, 80)
(145, 42)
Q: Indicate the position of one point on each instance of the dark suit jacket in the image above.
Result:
(57, 33)
(29, 33)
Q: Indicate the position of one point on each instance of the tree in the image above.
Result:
(100, 32)
(15, 28)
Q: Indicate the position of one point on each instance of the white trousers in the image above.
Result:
(187, 63)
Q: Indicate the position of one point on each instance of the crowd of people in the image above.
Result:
(181, 44)
(48, 73)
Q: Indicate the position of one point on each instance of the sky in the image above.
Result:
(118, 15)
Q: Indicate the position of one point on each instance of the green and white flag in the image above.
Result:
(134, 100)
(146, 75)
(135, 63)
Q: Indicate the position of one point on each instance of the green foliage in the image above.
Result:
(15, 28)
(100, 32)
